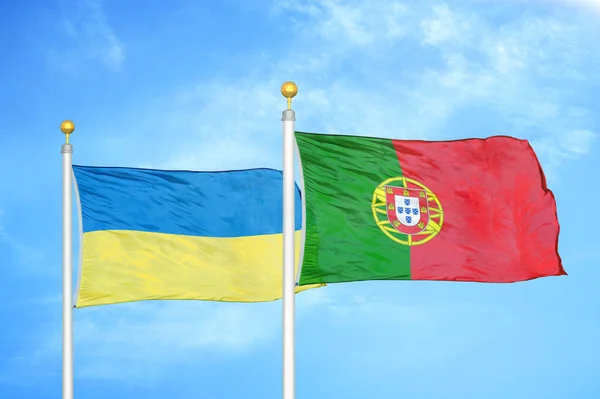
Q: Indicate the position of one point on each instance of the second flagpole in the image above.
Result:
(288, 118)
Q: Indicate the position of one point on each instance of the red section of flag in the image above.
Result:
(500, 221)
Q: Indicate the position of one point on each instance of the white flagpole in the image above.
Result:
(67, 127)
(289, 90)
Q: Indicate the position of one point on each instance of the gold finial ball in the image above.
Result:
(289, 89)
(67, 127)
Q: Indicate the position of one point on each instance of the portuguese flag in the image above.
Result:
(466, 210)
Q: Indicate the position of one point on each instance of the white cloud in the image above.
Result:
(349, 22)
(593, 5)
(444, 27)
(578, 142)
(558, 149)
(140, 342)
(109, 340)
(25, 254)
(524, 72)
(580, 5)
(90, 38)
(354, 77)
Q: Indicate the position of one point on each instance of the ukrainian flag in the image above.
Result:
(156, 234)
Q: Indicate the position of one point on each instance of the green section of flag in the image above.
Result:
(343, 242)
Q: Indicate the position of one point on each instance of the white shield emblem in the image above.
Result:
(407, 210)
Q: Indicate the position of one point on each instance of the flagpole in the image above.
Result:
(67, 127)
(289, 90)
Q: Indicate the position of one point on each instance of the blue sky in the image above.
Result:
(195, 85)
